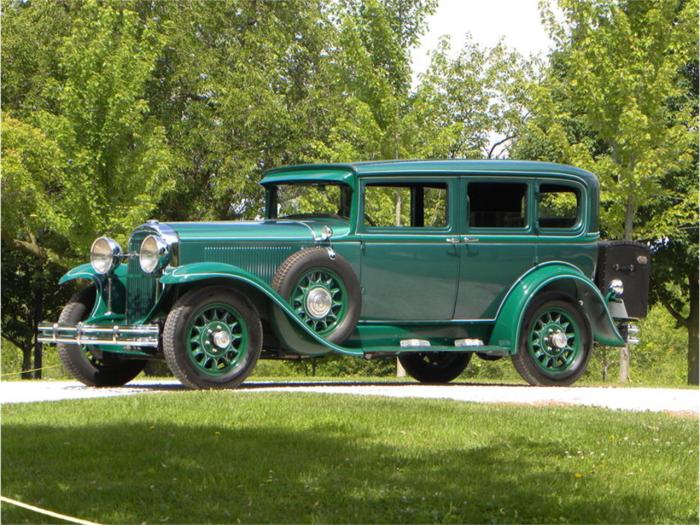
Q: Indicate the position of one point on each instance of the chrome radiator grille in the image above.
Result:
(140, 287)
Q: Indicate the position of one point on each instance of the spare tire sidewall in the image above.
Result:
(299, 263)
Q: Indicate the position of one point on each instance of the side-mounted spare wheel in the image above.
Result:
(212, 338)
(323, 291)
(555, 341)
(89, 365)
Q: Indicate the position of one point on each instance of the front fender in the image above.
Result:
(101, 311)
(292, 330)
(556, 276)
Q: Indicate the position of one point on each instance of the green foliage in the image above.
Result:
(605, 103)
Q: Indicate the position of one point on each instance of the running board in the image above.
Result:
(388, 350)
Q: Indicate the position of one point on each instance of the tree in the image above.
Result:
(605, 103)
(462, 103)
(116, 111)
(81, 155)
(673, 221)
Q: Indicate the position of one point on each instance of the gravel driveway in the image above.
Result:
(637, 399)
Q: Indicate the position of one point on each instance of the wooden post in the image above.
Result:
(400, 371)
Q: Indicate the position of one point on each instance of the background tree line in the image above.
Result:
(115, 112)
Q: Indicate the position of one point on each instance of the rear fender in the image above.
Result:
(561, 277)
(291, 330)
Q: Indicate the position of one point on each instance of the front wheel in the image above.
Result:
(88, 364)
(212, 338)
(434, 367)
(555, 342)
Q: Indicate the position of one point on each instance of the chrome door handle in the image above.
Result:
(469, 239)
(453, 240)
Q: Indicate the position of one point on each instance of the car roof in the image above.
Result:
(387, 168)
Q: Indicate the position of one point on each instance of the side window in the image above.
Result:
(497, 204)
(418, 205)
(559, 206)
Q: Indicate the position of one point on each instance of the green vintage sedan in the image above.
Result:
(430, 261)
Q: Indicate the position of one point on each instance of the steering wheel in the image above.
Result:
(369, 220)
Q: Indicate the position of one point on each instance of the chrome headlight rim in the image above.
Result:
(616, 288)
(111, 255)
(154, 257)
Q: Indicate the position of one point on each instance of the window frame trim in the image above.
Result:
(529, 227)
(579, 227)
(366, 229)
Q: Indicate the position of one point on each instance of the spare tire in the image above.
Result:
(323, 291)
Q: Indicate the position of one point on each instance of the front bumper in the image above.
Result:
(95, 335)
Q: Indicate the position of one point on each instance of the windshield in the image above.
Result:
(309, 200)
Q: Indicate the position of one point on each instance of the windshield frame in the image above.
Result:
(346, 192)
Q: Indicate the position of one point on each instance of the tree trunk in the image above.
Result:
(400, 370)
(693, 345)
(26, 362)
(692, 326)
(629, 227)
(38, 347)
(397, 209)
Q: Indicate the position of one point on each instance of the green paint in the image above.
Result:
(217, 339)
(417, 282)
(554, 340)
(328, 284)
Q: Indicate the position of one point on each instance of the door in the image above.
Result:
(410, 259)
(498, 243)
(562, 211)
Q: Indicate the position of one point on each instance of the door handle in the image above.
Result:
(453, 240)
(469, 239)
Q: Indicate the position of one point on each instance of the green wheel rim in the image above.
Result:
(217, 339)
(312, 281)
(554, 340)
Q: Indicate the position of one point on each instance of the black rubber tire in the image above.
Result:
(109, 370)
(174, 338)
(487, 357)
(292, 269)
(524, 362)
(435, 367)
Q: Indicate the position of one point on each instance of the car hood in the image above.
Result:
(267, 230)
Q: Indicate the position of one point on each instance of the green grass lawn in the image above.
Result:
(279, 457)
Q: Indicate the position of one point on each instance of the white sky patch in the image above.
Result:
(516, 21)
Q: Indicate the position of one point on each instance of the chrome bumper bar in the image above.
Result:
(87, 334)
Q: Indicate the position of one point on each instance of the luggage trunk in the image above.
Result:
(630, 262)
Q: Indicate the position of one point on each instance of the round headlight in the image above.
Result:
(105, 255)
(154, 254)
(616, 288)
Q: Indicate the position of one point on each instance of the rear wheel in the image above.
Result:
(212, 338)
(90, 365)
(435, 367)
(555, 342)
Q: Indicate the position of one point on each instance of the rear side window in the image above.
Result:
(497, 204)
(559, 206)
(414, 205)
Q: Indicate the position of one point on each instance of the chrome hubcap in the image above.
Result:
(318, 302)
(221, 338)
(558, 339)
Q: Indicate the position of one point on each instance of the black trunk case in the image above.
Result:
(631, 263)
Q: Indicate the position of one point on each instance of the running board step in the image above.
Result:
(384, 351)
(468, 342)
(415, 343)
